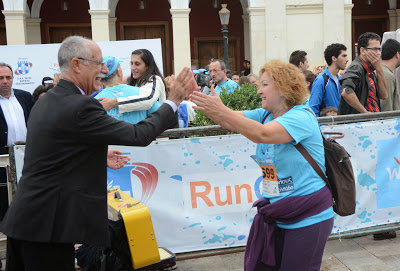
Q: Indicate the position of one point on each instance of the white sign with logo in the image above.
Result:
(31, 63)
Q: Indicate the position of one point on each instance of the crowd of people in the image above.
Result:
(64, 175)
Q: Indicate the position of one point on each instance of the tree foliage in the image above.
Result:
(244, 99)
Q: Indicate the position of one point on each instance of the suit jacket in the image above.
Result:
(26, 101)
(62, 194)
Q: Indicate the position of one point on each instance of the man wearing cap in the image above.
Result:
(113, 88)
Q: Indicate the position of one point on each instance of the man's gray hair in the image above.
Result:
(73, 46)
(223, 66)
(252, 75)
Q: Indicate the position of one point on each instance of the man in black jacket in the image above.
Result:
(62, 194)
(361, 87)
(15, 106)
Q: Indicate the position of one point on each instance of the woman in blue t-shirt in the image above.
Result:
(296, 204)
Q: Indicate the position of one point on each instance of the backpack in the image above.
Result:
(340, 174)
(339, 171)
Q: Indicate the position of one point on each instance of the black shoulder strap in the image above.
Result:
(326, 80)
(265, 117)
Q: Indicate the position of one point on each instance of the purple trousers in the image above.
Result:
(299, 249)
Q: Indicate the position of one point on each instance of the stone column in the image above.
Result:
(347, 31)
(398, 18)
(33, 31)
(334, 32)
(276, 32)
(181, 38)
(246, 30)
(100, 25)
(112, 27)
(15, 27)
(392, 19)
(257, 37)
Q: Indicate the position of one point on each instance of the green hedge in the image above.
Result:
(244, 99)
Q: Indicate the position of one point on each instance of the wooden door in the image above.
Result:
(150, 30)
(3, 36)
(57, 33)
(378, 24)
(205, 49)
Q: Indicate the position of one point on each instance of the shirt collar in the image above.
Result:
(369, 69)
(11, 95)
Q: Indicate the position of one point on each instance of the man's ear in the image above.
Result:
(334, 59)
(75, 65)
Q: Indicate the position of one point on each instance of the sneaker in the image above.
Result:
(385, 235)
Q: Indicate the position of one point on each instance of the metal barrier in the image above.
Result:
(218, 130)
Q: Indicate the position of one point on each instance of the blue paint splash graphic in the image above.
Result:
(365, 180)
(218, 239)
(177, 177)
(195, 140)
(227, 162)
(366, 144)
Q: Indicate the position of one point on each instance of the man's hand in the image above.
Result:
(108, 103)
(182, 86)
(375, 58)
(115, 160)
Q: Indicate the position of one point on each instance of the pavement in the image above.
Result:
(355, 254)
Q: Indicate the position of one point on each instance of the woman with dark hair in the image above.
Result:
(146, 75)
(40, 91)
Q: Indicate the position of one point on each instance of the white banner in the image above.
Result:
(200, 190)
(31, 63)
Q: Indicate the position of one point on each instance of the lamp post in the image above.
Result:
(224, 17)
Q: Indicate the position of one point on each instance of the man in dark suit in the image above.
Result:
(15, 106)
(61, 196)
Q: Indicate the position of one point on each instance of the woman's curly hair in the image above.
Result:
(289, 81)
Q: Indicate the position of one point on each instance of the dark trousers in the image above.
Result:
(34, 256)
(300, 249)
(3, 193)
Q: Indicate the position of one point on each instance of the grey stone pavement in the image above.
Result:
(355, 254)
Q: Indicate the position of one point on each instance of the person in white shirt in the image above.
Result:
(15, 106)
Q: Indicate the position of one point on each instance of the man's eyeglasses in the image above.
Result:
(97, 62)
(214, 71)
(376, 49)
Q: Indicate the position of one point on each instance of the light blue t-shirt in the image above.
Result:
(119, 91)
(296, 177)
(229, 85)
